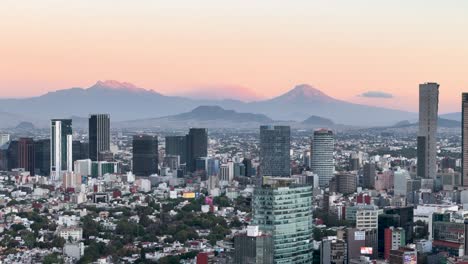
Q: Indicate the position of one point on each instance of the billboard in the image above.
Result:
(366, 250)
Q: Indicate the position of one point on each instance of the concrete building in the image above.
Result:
(333, 251)
(427, 135)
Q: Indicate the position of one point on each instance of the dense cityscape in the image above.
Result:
(273, 194)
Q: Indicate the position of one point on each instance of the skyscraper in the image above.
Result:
(26, 155)
(177, 146)
(369, 175)
(61, 139)
(197, 146)
(42, 156)
(145, 155)
(464, 177)
(99, 135)
(275, 147)
(288, 219)
(427, 141)
(321, 151)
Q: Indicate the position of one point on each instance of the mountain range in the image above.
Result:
(125, 101)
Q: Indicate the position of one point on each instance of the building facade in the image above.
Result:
(275, 146)
(427, 134)
(145, 155)
(283, 210)
(99, 135)
(61, 154)
(322, 162)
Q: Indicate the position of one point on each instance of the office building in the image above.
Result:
(275, 146)
(248, 167)
(253, 247)
(101, 168)
(427, 134)
(177, 146)
(42, 157)
(288, 219)
(402, 182)
(333, 251)
(61, 138)
(385, 221)
(197, 146)
(369, 175)
(26, 154)
(464, 139)
(145, 155)
(344, 183)
(83, 167)
(321, 151)
(394, 238)
(4, 139)
(406, 220)
(99, 135)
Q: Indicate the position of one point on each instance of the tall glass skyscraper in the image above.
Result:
(99, 135)
(427, 134)
(145, 155)
(177, 146)
(465, 140)
(61, 138)
(321, 151)
(275, 147)
(283, 209)
(197, 146)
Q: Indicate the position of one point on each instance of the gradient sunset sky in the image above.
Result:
(344, 48)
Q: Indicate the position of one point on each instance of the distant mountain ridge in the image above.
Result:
(213, 112)
(125, 101)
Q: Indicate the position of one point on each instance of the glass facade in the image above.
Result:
(275, 146)
(285, 213)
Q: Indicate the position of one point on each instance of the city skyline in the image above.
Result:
(262, 49)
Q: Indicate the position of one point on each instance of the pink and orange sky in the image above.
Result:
(344, 48)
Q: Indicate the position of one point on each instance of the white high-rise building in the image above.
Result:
(427, 135)
(322, 162)
(61, 157)
(4, 138)
(400, 182)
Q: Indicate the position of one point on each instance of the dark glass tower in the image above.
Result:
(26, 155)
(369, 175)
(464, 178)
(275, 146)
(12, 155)
(197, 146)
(145, 155)
(99, 135)
(177, 146)
(42, 156)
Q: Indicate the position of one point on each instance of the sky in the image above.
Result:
(364, 51)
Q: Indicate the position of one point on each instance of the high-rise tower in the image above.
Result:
(275, 147)
(465, 140)
(61, 139)
(427, 135)
(197, 146)
(145, 155)
(99, 135)
(322, 162)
